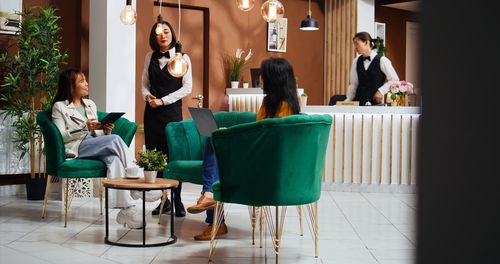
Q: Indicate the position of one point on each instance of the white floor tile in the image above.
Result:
(354, 228)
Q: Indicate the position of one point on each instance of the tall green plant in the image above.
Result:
(30, 76)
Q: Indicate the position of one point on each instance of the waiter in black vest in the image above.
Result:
(163, 94)
(369, 72)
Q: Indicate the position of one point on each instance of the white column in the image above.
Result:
(366, 16)
(112, 48)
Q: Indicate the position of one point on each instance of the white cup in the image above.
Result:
(132, 172)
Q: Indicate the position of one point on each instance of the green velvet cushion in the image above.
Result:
(82, 168)
(186, 144)
(184, 170)
(58, 166)
(276, 161)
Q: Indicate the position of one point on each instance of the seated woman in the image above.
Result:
(281, 100)
(84, 137)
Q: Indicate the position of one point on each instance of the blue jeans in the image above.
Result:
(210, 175)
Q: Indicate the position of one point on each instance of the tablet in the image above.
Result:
(111, 117)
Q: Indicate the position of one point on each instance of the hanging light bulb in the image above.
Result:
(309, 23)
(128, 16)
(159, 25)
(177, 66)
(245, 5)
(272, 10)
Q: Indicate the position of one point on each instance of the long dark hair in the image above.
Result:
(365, 36)
(67, 79)
(279, 85)
(152, 37)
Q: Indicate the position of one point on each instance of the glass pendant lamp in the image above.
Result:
(245, 5)
(309, 23)
(128, 16)
(177, 66)
(159, 22)
(272, 10)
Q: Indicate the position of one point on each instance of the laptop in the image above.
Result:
(204, 120)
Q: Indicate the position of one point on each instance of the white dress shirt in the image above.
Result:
(187, 81)
(385, 66)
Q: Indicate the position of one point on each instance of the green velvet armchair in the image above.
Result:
(58, 166)
(185, 145)
(273, 162)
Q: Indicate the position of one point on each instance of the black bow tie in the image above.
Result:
(366, 58)
(166, 55)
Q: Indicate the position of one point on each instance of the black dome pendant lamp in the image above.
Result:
(309, 23)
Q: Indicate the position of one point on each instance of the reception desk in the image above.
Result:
(247, 99)
(370, 149)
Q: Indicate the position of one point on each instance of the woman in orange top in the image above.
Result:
(281, 100)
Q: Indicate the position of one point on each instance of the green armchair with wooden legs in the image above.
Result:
(275, 162)
(58, 166)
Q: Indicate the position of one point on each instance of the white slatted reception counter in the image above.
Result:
(247, 99)
(371, 149)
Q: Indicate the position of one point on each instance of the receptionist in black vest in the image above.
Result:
(371, 74)
(163, 95)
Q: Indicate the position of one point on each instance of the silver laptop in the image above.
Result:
(204, 120)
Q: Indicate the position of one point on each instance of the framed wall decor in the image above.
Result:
(276, 35)
(380, 31)
(10, 20)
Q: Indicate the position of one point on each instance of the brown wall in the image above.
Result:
(395, 32)
(231, 28)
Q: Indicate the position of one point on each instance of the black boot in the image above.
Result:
(179, 207)
(166, 208)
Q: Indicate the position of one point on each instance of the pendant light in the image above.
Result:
(159, 22)
(245, 5)
(128, 16)
(177, 66)
(272, 10)
(309, 23)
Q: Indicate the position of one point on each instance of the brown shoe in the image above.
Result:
(203, 204)
(207, 233)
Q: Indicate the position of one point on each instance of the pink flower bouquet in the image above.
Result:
(400, 88)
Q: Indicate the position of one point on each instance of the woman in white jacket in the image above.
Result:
(83, 136)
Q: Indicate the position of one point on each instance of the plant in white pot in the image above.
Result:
(152, 161)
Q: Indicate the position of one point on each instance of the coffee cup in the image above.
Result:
(132, 172)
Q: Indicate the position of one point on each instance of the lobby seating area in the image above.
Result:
(354, 228)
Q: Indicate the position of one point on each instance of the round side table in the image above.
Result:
(140, 185)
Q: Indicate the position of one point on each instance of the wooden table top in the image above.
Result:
(123, 183)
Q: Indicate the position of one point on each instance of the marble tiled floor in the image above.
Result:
(355, 228)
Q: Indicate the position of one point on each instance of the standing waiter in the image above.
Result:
(369, 72)
(163, 94)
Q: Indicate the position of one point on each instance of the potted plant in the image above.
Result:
(234, 65)
(245, 84)
(303, 99)
(152, 161)
(29, 82)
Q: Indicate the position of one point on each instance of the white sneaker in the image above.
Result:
(130, 216)
(151, 196)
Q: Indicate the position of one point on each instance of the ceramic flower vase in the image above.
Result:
(234, 84)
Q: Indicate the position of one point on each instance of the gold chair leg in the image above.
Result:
(66, 202)
(261, 224)
(316, 231)
(218, 214)
(254, 220)
(100, 194)
(47, 190)
(277, 236)
(299, 208)
(162, 203)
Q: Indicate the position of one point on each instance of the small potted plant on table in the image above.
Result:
(152, 161)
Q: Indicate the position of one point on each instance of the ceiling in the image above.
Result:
(412, 6)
